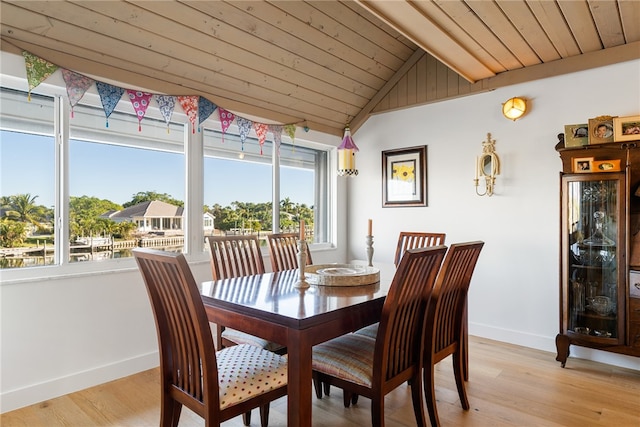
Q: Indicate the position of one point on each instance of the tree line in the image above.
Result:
(21, 216)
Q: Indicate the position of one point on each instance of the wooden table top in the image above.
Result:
(273, 294)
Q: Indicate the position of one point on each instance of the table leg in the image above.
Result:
(299, 380)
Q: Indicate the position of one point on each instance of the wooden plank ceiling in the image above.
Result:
(316, 63)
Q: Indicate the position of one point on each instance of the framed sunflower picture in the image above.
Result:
(404, 177)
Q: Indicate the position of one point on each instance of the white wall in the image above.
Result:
(514, 294)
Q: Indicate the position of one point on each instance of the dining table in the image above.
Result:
(272, 306)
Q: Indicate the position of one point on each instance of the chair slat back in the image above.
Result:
(235, 256)
(449, 298)
(187, 353)
(283, 251)
(412, 240)
(400, 332)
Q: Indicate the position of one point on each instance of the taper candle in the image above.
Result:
(370, 229)
(302, 229)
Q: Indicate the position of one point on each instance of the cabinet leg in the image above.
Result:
(562, 347)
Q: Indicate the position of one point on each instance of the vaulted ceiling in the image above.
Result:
(319, 63)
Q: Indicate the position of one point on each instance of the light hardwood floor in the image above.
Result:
(508, 386)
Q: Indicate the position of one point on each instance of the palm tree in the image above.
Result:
(22, 208)
(286, 204)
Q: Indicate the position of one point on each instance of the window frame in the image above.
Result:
(193, 154)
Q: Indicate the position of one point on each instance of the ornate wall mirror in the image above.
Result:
(487, 167)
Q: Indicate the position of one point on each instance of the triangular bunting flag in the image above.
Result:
(190, 106)
(110, 96)
(166, 103)
(244, 126)
(276, 130)
(291, 131)
(226, 118)
(205, 109)
(77, 85)
(140, 101)
(38, 70)
(261, 131)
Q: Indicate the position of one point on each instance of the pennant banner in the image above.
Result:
(38, 70)
(77, 85)
(276, 130)
(205, 109)
(190, 106)
(291, 131)
(166, 104)
(261, 131)
(140, 101)
(109, 96)
(226, 118)
(244, 127)
(194, 106)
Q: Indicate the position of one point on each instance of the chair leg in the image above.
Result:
(170, 412)
(377, 412)
(317, 384)
(264, 415)
(246, 418)
(430, 393)
(346, 398)
(465, 344)
(416, 397)
(458, 372)
(327, 388)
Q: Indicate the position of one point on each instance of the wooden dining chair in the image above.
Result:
(215, 385)
(407, 240)
(283, 251)
(412, 240)
(361, 365)
(237, 256)
(446, 321)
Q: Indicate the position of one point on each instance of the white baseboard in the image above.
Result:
(14, 399)
(547, 343)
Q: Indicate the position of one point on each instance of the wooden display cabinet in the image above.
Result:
(600, 248)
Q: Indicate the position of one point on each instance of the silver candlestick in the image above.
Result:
(370, 250)
(302, 262)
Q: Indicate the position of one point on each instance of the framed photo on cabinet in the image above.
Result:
(582, 164)
(626, 128)
(606, 165)
(404, 177)
(601, 130)
(576, 135)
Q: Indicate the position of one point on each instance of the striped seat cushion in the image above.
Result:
(246, 370)
(370, 331)
(244, 338)
(349, 357)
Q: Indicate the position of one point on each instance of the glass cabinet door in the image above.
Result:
(593, 261)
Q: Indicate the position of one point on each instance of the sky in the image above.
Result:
(117, 173)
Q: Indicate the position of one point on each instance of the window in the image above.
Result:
(27, 180)
(245, 204)
(113, 173)
(109, 179)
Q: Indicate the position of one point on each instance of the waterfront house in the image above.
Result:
(157, 217)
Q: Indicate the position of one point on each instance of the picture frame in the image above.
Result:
(576, 135)
(404, 177)
(606, 165)
(582, 164)
(626, 128)
(601, 130)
